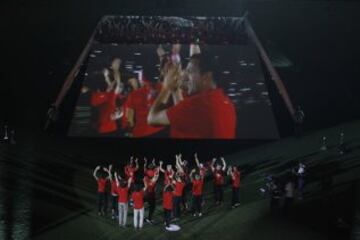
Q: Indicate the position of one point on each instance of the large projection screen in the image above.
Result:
(100, 112)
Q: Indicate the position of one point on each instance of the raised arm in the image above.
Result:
(95, 172)
(224, 163)
(155, 178)
(178, 164)
(229, 172)
(161, 168)
(145, 164)
(117, 78)
(145, 185)
(212, 165)
(109, 173)
(157, 114)
(106, 74)
(116, 179)
(191, 174)
(181, 162)
(136, 164)
(197, 160)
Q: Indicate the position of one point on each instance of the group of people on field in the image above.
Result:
(131, 187)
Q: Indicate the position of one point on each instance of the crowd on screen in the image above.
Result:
(154, 29)
(133, 186)
(184, 102)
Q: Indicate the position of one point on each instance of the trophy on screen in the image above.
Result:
(6, 137)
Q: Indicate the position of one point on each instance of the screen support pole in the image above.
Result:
(273, 73)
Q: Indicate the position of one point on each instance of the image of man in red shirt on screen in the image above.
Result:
(205, 113)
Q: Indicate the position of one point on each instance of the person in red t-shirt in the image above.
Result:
(201, 167)
(235, 178)
(106, 100)
(102, 179)
(150, 170)
(150, 195)
(131, 168)
(206, 113)
(138, 105)
(179, 184)
(219, 182)
(168, 203)
(183, 173)
(197, 188)
(168, 173)
(202, 170)
(114, 194)
(138, 198)
(123, 198)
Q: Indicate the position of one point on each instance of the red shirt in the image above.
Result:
(124, 120)
(168, 200)
(202, 171)
(210, 114)
(106, 101)
(151, 186)
(123, 194)
(197, 187)
(150, 172)
(168, 176)
(138, 198)
(179, 187)
(101, 184)
(218, 177)
(140, 101)
(236, 179)
(130, 172)
(113, 188)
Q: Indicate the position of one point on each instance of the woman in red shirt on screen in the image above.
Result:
(138, 105)
(102, 180)
(206, 113)
(105, 101)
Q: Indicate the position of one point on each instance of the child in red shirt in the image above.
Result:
(179, 185)
(102, 195)
(138, 198)
(219, 172)
(150, 195)
(168, 204)
(235, 178)
(197, 188)
(123, 196)
(131, 168)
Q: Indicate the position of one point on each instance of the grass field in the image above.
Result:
(63, 205)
